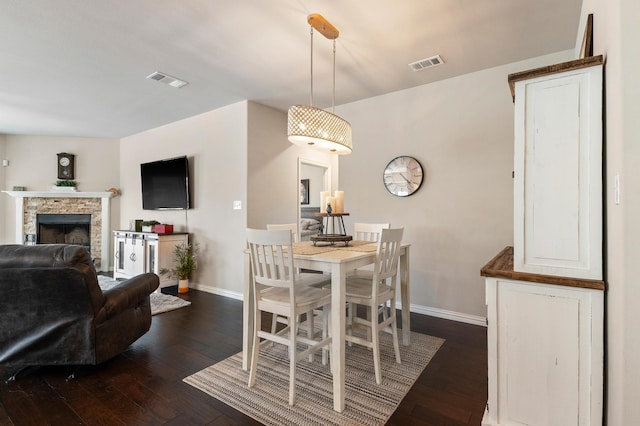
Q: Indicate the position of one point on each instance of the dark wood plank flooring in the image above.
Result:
(143, 385)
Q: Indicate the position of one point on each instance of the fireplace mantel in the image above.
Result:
(58, 194)
(106, 196)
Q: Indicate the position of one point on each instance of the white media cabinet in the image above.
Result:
(139, 252)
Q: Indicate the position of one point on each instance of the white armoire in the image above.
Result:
(545, 295)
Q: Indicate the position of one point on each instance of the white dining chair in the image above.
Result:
(276, 290)
(280, 226)
(374, 293)
(304, 278)
(368, 231)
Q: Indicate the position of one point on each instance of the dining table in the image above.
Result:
(337, 260)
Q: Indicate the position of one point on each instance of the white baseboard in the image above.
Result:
(219, 291)
(418, 309)
(450, 315)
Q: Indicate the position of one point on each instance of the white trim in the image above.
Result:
(418, 309)
(58, 194)
(450, 315)
(219, 291)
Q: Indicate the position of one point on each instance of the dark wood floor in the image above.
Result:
(143, 386)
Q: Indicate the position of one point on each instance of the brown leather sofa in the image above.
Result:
(52, 311)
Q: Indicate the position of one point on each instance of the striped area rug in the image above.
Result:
(366, 402)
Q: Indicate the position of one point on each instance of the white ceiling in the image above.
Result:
(78, 67)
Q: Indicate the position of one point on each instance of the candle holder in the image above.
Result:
(338, 233)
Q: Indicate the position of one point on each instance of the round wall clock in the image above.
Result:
(403, 176)
(65, 165)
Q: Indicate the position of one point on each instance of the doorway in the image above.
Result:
(313, 178)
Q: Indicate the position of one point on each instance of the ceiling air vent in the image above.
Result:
(167, 79)
(426, 63)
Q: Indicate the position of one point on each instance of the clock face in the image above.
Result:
(64, 161)
(403, 176)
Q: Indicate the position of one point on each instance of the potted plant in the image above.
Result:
(184, 256)
(147, 225)
(65, 185)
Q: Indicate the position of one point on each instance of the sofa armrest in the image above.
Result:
(127, 294)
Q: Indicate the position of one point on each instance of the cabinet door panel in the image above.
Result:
(541, 354)
(135, 256)
(119, 255)
(553, 179)
(129, 255)
(558, 175)
(545, 354)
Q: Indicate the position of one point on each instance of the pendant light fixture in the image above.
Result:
(314, 127)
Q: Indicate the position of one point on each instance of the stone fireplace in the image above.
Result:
(89, 210)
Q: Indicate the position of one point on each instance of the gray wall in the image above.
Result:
(3, 199)
(461, 131)
(616, 32)
(33, 164)
(273, 189)
(216, 145)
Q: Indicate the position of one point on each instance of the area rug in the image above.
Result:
(366, 402)
(160, 302)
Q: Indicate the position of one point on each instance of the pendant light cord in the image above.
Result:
(333, 96)
(311, 100)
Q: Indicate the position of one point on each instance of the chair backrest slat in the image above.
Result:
(387, 256)
(368, 231)
(280, 226)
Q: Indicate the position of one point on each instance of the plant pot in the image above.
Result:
(183, 286)
(64, 188)
(146, 228)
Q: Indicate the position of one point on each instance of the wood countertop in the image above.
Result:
(589, 61)
(501, 266)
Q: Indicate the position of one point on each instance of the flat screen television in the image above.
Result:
(165, 184)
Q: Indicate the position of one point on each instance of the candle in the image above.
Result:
(332, 202)
(339, 201)
(323, 201)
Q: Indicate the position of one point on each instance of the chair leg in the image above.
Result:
(394, 332)
(375, 341)
(385, 315)
(326, 313)
(350, 308)
(311, 333)
(257, 324)
(274, 323)
(73, 374)
(14, 376)
(292, 360)
(274, 326)
(370, 311)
